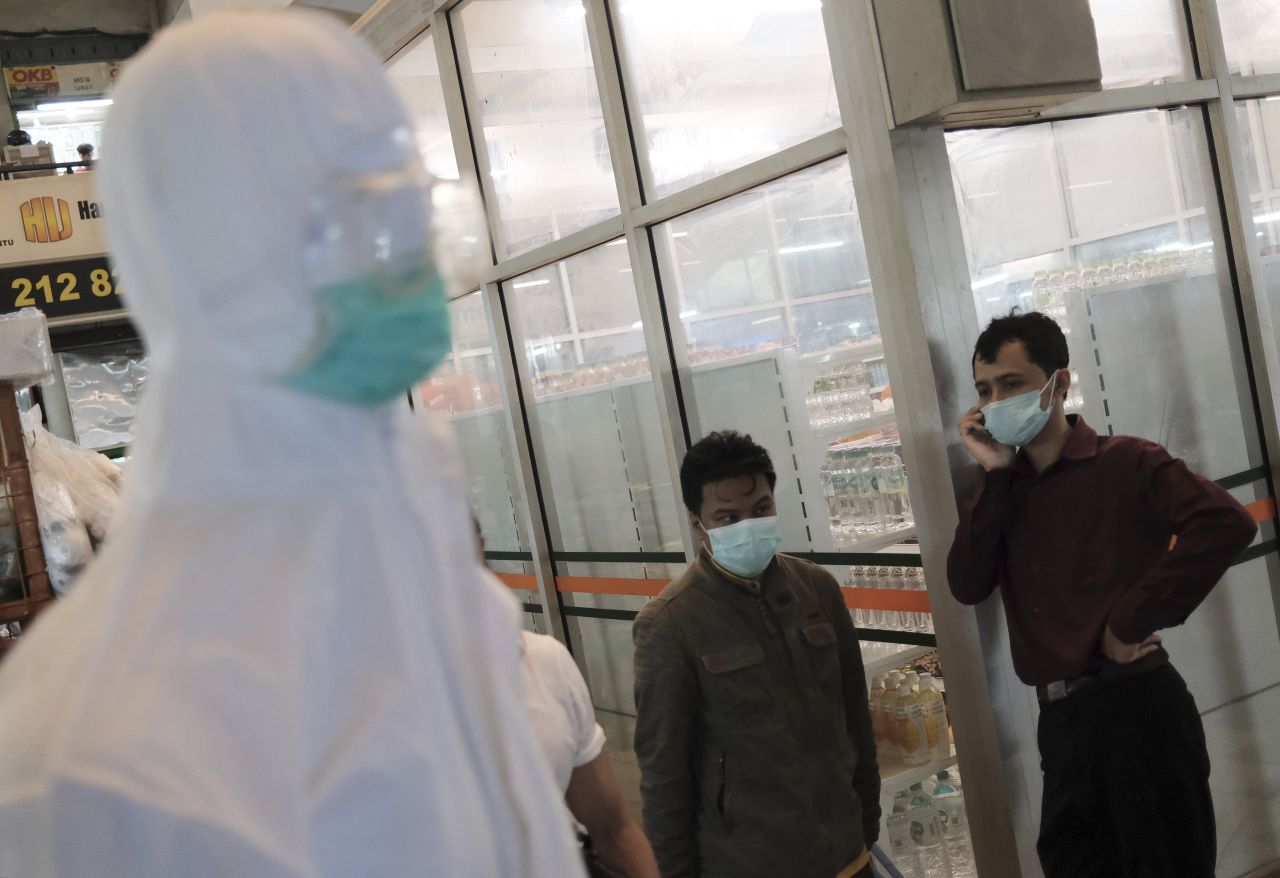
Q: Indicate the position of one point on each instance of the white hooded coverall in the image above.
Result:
(285, 663)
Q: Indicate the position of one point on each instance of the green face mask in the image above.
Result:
(380, 338)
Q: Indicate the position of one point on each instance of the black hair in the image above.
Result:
(1040, 335)
(85, 149)
(722, 455)
(18, 137)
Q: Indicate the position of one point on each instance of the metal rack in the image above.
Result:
(29, 591)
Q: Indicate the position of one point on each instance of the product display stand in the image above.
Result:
(32, 592)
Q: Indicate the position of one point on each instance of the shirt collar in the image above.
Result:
(1081, 444)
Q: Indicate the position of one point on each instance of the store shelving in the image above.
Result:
(881, 542)
(900, 777)
(880, 658)
(877, 421)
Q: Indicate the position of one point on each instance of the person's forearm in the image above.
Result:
(973, 564)
(628, 852)
(1183, 578)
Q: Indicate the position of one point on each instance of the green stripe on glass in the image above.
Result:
(1250, 475)
(508, 556)
(619, 557)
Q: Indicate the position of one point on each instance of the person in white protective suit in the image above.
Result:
(285, 663)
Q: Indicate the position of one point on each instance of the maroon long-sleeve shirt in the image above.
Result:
(1085, 544)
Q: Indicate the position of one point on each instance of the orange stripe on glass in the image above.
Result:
(519, 581)
(597, 585)
(1261, 510)
(886, 599)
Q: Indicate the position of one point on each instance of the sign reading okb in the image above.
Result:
(49, 219)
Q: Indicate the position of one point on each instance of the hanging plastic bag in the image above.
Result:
(76, 493)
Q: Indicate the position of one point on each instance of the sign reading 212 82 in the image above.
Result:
(62, 289)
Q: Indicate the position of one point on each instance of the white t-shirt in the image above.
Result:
(560, 707)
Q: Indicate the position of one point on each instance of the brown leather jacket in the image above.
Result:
(752, 729)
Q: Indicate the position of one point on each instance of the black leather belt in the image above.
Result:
(1060, 689)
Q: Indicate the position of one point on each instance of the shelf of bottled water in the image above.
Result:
(904, 578)
(841, 398)
(864, 482)
(1157, 264)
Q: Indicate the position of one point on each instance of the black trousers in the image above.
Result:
(1126, 782)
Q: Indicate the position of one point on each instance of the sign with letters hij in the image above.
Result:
(50, 219)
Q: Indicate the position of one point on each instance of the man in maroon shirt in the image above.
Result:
(1076, 530)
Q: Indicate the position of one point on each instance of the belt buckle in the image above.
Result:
(1057, 690)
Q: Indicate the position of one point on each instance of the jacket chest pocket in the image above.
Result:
(737, 682)
(819, 644)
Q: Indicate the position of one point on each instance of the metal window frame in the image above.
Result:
(926, 338)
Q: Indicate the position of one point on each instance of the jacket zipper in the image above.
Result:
(771, 626)
(724, 787)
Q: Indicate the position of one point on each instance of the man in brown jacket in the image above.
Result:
(752, 726)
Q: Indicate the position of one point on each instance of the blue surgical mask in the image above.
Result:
(380, 336)
(746, 547)
(1018, 420)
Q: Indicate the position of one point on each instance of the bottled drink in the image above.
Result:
(886, 580)
(912, 581)
(875, 705)
(878, 618)
(895, 487)
(905, 856)
(889, 719)
(935, 719)
(909, 731)
(926, 832)
(955, 829)
(854, 580)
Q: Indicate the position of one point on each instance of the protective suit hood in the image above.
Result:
(285, 662)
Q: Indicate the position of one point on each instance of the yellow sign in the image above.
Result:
(50, 219)
(46, 220)
(91, 79)
(32, 82)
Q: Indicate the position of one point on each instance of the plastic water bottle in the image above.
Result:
(955, 829)
(905, 855)
(855, 580)
(893, 619)
(926, 832)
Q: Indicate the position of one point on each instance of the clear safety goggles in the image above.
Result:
(391, 224)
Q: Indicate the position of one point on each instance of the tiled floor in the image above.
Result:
(1244, 745)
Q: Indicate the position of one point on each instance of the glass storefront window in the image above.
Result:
(465, 389)
(529, 82)
(1251, 31)
(720, 83)
(1141, 42)
(1260, 132)
(1100, 223)
(416, 76)
(599, 446)
(783, 343)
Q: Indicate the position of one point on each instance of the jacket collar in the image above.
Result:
(749, 585)
(773, 586)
